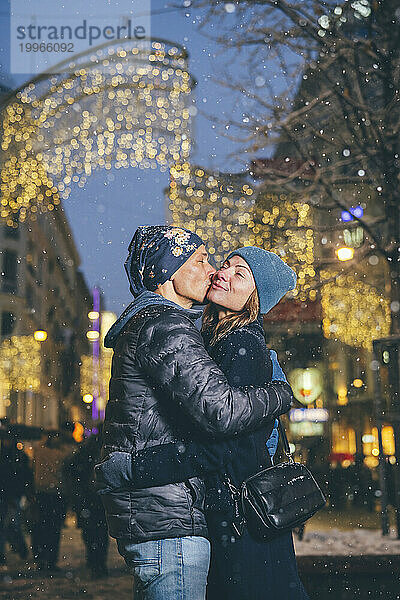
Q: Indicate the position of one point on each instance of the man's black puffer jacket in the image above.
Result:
(163, 386)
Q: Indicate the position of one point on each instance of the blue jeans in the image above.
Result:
(170, 569)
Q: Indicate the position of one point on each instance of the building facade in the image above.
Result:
(43, 291)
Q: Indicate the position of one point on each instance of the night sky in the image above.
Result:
(104, 214)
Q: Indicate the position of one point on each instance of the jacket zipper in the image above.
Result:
(190, 501)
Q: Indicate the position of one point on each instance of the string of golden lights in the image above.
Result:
(99, 388)
(354, 311)
(20, 363)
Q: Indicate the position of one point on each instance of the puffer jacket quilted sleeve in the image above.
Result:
(173, 356)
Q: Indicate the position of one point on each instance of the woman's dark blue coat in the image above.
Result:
(242, 567)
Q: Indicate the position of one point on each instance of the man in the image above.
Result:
(164, 386)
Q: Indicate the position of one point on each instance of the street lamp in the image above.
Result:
(87, 398)
(342, 396)
(92, 335)
(40, 335)
(93, 315)
(345, 253)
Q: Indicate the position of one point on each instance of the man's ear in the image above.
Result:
(171, 281)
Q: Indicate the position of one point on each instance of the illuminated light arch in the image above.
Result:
(123, 104)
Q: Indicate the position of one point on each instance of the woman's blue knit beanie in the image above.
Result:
(273, 277)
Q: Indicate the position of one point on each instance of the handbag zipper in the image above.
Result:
(238, 527)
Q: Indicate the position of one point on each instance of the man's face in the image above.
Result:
(193, 278)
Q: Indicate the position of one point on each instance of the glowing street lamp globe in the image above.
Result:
(40, 335)
(92, 335)
(345, 253)
(306, 384)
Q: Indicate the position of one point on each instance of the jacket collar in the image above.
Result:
(143, 300)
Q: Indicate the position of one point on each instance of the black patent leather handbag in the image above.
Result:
(277, 499)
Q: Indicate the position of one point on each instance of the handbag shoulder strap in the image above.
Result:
(285, 443)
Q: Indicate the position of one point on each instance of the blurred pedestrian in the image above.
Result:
(361, 484)
(338, 487)
(16, 481)
(390, 479)
(81, 494)
(49, 508)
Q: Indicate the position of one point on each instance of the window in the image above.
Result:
(353, 237)
(47, 367)
(29, 296)
(10, 264)
(7, 323)
(10, 271)
(39, 270)
(11, 232)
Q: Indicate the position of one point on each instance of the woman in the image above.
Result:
(249, 283)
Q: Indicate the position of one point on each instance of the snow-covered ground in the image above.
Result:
(355, 542)
(20, 581)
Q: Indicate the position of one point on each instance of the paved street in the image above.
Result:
(332, 534)
(22, 582)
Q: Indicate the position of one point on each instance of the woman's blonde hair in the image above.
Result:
(220, 328)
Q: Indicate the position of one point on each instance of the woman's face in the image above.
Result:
(232, 284)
